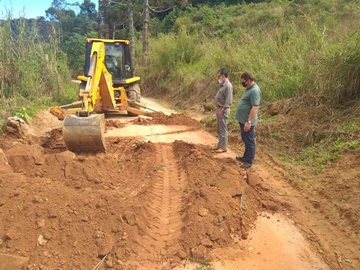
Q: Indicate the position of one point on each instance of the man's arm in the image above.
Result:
(251, 117)
(253, 112)
(228, 97)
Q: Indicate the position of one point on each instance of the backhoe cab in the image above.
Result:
(108, 85)
(117, 62)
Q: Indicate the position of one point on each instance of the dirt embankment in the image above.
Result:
(146, 205)
(138, 204)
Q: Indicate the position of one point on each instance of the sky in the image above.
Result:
(29, 8)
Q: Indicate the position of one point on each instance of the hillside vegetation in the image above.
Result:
(305, 54)
(34, 72)
(293, 47)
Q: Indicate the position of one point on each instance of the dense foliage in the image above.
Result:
(294, 47)
(33, 72)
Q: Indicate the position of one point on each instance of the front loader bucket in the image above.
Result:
(84, 133)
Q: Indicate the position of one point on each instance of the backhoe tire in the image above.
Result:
(134, 93)
(82, 85)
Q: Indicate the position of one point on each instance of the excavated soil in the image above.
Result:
(140, 204)
(160, 204)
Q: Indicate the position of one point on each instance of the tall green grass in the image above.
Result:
(33, 74)
(292, 49)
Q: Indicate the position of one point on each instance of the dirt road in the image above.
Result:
(157, 199)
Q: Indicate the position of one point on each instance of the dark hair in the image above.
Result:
(247, 76)
(223, 71)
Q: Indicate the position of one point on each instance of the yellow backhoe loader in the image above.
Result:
(108, 85)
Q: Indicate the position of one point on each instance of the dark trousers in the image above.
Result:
(249, 141)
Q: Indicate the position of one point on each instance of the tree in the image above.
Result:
(89, 9)
(159, 7)
(131, 30)
(75, 50)
(57, 11)
(145, 47)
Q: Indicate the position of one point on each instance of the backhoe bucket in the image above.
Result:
(84, 133)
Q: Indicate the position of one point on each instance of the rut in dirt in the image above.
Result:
(324, 227)
(164, 221)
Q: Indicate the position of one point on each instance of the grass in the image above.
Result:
(276, 134)
(36, 74)
(323, 153)
(23, 114)
(317, 157)
(204, 267)
(97, 267)
(296, 181)
(160, 167)
(293, 45)
(202, 264)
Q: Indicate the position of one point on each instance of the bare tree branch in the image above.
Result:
(118, 3)
(158, 11)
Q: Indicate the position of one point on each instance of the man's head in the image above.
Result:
(247, 79)
(223, 72)
(222, 75)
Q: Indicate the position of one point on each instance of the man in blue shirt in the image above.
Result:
(223, 100)
(247, 116)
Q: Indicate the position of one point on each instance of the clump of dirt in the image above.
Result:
(140, 202)
(13, 128)
(111, 124)
(53, 140)
(212, 190)
(58, 112)
(44, 129)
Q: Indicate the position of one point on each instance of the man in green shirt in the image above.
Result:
(247, 116)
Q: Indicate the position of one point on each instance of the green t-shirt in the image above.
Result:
(251, 97)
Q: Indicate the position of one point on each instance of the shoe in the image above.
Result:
(215, 148)
(241, 159)
(246, 165)
(220, 150)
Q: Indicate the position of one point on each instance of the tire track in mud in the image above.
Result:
(164, 203)
(320, 222)
(271, 168)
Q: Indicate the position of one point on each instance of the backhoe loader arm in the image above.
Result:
(98, 95)
(108, 84)
(84, 130)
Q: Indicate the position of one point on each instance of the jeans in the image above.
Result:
(249, 141)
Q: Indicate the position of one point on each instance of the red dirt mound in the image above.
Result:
(139, 204)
